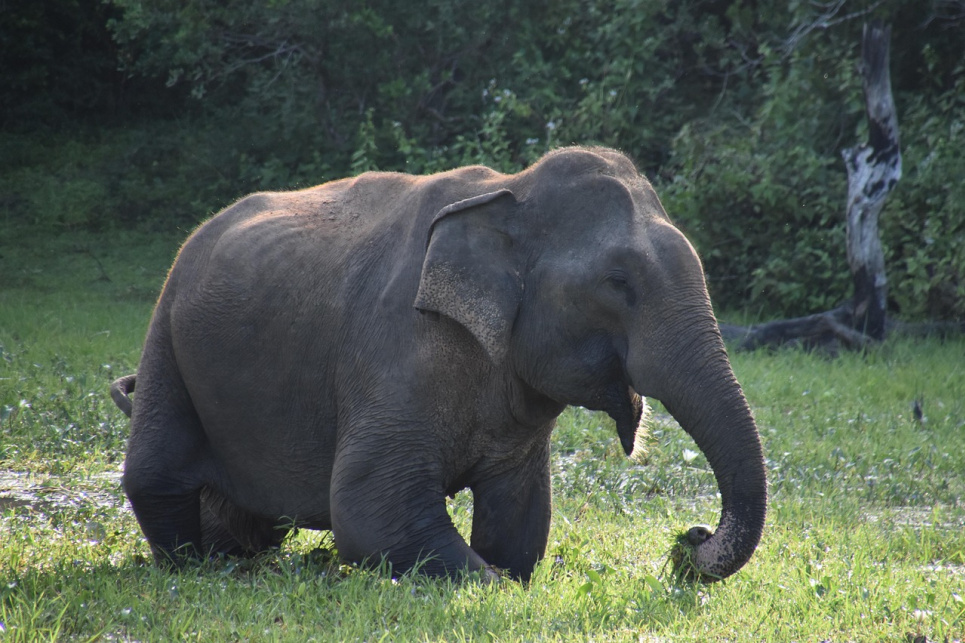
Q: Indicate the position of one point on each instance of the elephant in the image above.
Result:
(345, 356)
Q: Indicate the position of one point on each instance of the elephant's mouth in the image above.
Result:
(625, 406)
(626, 412)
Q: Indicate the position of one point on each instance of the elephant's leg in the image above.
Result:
(511, 515)
(171, 523)
(164, 469)
(393, 506)
(229, 529)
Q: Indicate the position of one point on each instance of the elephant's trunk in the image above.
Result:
(700, 391)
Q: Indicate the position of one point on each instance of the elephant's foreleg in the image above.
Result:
(396, 511)
(511, 516)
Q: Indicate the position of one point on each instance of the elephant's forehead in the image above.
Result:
(616, 203)
(586, 201)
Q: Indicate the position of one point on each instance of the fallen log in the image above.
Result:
(829, 332)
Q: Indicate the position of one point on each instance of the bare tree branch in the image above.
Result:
(828, 18)
(950, 11)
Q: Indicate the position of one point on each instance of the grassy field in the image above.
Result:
(865, 540)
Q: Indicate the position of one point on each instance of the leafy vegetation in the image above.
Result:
(863, 539)
(147, 112)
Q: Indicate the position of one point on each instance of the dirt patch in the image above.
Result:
(937, 517)
(21, 490)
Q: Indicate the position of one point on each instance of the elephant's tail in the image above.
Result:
(121, 390)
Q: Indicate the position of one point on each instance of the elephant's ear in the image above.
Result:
(470, 273)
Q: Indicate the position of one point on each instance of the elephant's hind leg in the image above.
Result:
(168, 509)
(166, 467)
(228, 529)
(171, 523)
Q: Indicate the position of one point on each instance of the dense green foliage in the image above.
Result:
(163, 111)
(863, 540)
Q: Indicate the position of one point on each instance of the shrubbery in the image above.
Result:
(738, 112)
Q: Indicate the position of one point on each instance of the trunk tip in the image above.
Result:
(699, 534)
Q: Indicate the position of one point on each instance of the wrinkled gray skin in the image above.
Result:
(343, 357)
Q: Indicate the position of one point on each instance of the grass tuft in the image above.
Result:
(683, 560)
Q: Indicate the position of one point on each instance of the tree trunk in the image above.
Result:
(873, 170)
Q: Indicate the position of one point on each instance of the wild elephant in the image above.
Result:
(343, 357)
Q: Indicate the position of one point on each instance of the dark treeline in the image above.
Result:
(148, 112)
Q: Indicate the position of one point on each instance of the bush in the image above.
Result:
(738, 112)
(923, 224)
(763, 195)
(100, 179)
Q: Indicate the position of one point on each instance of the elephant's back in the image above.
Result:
(288, 312)
(256, 312)
(323, 258)
(284, 301)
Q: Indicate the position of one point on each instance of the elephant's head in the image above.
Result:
(573, 277)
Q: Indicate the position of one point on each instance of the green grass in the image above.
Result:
(864, 539)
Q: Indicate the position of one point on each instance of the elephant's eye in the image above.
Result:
(619, 282)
